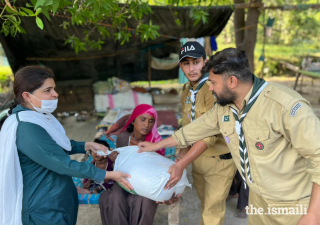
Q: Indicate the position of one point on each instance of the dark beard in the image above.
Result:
(225, 98)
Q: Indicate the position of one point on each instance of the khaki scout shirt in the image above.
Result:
(282, 136)
(204, 102)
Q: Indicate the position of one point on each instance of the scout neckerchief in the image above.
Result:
(194, 93)
(258, 86)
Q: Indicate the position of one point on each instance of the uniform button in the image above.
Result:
(218, 160)
(268, 92)
(257, 138)
(225, 132)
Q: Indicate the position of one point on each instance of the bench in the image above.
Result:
(299, 72)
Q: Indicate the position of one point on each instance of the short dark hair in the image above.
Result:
(230, 62)
(102, 142)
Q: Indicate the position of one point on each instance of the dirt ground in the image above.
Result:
(190, 206)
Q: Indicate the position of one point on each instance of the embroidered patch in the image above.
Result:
(227, 139)
(295, 109)
(259, 146)
(225, 118)
(188, 100)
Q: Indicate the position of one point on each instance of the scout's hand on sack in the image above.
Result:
(150, 147)
(120, 178)
(113, 156)
(172, 200)
(94, 147)
(175, 172)
(147, 146)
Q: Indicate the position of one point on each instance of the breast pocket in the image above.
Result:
(201, 110)
(258, 141)
(230, 136)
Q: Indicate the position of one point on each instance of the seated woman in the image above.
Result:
(105, 163)
(118, 207)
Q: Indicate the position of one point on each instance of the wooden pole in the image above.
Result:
(149, 67)
(248, 5)
(292, 7)
(283, 7)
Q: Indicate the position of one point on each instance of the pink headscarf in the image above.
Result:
(153, 135)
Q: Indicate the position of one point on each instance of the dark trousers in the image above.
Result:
(238, 187)
(118, 207)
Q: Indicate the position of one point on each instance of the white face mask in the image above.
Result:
(47, 106)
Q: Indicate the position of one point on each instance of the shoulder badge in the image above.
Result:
(225, 118)
(295, 108)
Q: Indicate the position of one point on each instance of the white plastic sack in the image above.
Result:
(148, 172)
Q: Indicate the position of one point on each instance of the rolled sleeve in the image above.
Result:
(302, 127)
(210, 141)
(203, 127)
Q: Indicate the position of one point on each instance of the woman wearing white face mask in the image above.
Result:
(36, 185)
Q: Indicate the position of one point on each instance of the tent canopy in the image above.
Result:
(128, 61)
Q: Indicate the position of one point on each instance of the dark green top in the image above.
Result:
(49, 194)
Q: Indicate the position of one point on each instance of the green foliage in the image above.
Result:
(148, 31)
(88, 14)
(5, 72)
(294, 35)
(103, 16)
(292, 53)
(39, 23)
(198, 14)
(5, 76)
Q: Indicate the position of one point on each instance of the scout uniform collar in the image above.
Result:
(194, 90)
(244, 101)
(258, 86)
(198, 84)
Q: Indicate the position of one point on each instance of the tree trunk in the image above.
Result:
(238, 20)
(250, 33)
(246, 30)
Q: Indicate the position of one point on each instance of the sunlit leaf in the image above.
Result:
(39, 23)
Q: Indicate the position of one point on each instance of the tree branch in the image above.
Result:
(121, 10)
(10, 6)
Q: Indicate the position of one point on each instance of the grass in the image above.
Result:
(154, 83)
(5, 75)
(273, 53)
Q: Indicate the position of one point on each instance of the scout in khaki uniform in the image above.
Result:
(212, 171)
(273, 136)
